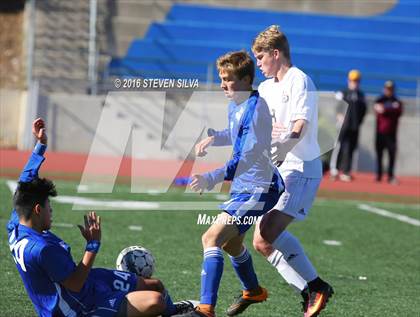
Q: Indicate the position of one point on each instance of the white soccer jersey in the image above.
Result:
(295, 97)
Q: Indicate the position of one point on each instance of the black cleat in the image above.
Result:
(185, 306)
(305, 299)
(194, 313)
(318, 299)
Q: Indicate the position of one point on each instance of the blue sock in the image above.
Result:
(169, 305)
(242, 264)
(211, 275)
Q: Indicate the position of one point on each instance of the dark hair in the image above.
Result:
(29, 194)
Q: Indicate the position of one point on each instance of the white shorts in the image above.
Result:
(298, 196)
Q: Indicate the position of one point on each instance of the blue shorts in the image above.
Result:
(111, 286)
(245, 208)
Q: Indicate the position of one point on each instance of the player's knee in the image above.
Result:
(144, 303)
(262, 246)
(156, 304)
(257, 245)
(208, 239)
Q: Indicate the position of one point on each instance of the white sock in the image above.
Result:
(277, 260)
(294, 255)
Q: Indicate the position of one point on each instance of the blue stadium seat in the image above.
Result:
(301, 38)
(329, 59)
(315, 22)
(385, 46)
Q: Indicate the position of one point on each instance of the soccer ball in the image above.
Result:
(136, 259)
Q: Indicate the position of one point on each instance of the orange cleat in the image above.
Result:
(317, 300)
(247, 298)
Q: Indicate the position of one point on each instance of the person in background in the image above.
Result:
(350, 121)
(388, 109)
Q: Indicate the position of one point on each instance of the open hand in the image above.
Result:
(38, 130)
(198, 183)
(200, 148)
(92, 229)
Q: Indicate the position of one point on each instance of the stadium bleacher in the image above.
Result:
(191, 37)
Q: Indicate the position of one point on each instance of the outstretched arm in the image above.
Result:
(215, 138)
(250, 144)
(30, 171)
(92, 234)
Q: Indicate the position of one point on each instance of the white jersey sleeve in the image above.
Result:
(303, 99)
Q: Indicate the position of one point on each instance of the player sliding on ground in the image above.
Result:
(292, 99)
(55, 284)
(256, 184)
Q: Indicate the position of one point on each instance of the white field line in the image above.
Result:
(222, 197)
(135, 228)
(327, 202)
(12, 186)
(81, 203)
(388, 214)
(333, 242)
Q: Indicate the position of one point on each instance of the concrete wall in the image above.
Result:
(74, 121)
(12, 117)
(408, 157)
(71, 120)
(346, 8)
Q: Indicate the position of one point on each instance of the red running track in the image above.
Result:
(72, 165)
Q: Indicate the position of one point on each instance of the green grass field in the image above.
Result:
(375, 272)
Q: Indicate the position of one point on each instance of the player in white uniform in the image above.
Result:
(292, 99)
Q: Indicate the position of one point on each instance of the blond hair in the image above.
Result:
(272, 38)
(238, 63)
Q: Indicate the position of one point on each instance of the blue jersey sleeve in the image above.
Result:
(221, 138)
(250, 144)
(30, 172)
(56, 262)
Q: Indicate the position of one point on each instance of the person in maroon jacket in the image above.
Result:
(388, 110)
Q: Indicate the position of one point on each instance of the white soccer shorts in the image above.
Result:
(298, 196)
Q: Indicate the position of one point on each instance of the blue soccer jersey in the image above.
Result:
(44, 260)
(249, 131)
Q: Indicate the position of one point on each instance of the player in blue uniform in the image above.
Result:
(255, 188)
(55, 284)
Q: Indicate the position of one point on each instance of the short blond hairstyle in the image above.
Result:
(238, 63)
(271, 38)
